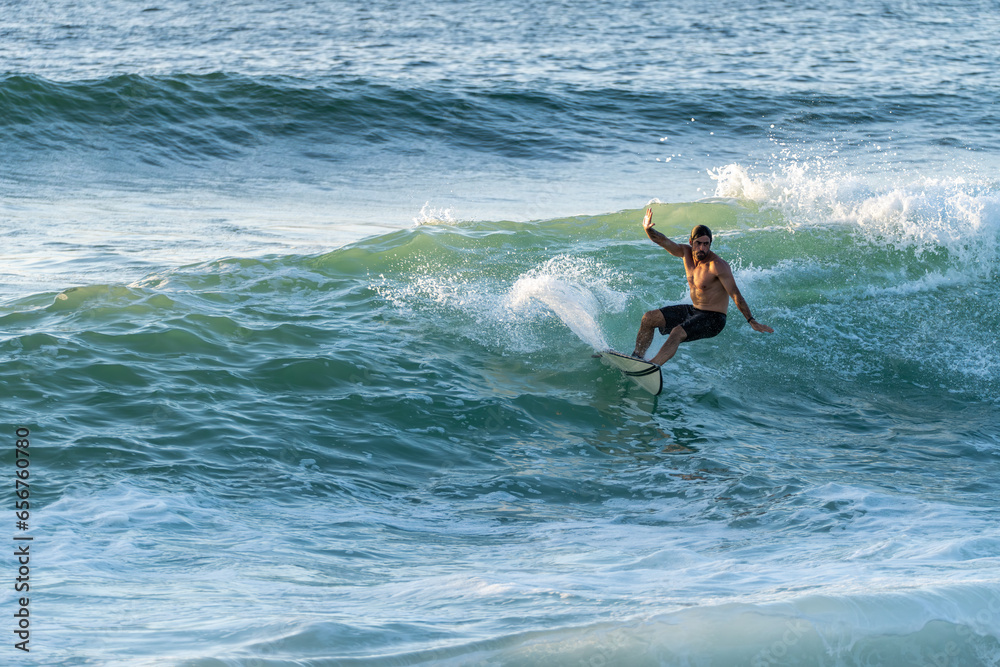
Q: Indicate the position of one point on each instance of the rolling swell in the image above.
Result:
(500, 317)
(187, 118)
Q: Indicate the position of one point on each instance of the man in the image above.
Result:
(711, 283)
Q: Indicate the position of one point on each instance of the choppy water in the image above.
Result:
(298, 303)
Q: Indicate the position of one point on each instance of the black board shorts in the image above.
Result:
(697, 324)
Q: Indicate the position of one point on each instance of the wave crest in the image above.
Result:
(957, 216)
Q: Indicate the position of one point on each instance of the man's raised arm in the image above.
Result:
(675, 249)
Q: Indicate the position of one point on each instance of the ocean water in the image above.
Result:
(298, 302)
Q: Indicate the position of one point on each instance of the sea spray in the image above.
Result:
(956, 215)
(576, 290)
(433, 216)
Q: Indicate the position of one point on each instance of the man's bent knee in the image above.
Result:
(678, 333)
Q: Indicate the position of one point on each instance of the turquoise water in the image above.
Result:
(298, 303)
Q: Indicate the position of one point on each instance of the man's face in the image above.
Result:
(701, 246)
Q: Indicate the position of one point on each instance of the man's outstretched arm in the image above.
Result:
(729, 282)
(675, 249)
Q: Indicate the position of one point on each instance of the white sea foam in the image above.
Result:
(575, 289)
(957, 214)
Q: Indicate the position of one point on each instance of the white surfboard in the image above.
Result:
(645, 374)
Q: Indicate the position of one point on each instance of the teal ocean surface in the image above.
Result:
(298, 302)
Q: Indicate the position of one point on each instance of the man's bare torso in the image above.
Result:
(707, 291)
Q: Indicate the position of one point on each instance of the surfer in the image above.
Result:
(712, 285)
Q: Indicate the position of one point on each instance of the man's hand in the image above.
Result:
(647, 222)
(757, 326)
(658, 238)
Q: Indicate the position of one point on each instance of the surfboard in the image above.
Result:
(645, 374)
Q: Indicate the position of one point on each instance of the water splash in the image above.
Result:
(577, 290)
(957, 216)
(433, 216)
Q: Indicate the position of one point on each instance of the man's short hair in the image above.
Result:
(701, 230)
